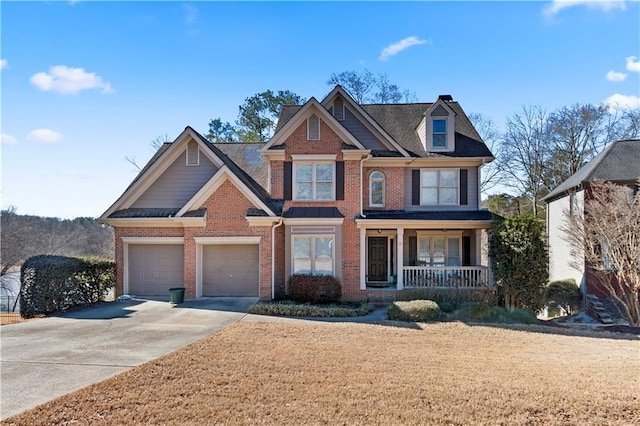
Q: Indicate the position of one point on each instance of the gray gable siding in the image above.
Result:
(177, 184)
(439, 111)
(472, 194)
(360, 131)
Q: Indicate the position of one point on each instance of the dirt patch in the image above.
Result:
(357, 374)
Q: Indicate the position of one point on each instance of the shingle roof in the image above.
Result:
(246, 179)
(439, 215)
(619, 162)
(400, 122)
(247, 156)
(154, 213)
(312, 212)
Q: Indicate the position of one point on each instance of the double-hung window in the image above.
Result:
(314, 181)
(439, 186)
(439, 250)
(313, 255)
(439, 133)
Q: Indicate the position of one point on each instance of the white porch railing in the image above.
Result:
(445, 276)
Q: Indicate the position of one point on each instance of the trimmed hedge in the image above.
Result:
(415, 310)
(56, 283)
(314, 288)
(293, 309)
(451, 296)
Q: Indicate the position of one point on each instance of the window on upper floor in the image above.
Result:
(313, 128)
(439, 133)
(193, 154)
(376, 189)
(313, 254)
(338, 109)
(314, 181)
(439, 186)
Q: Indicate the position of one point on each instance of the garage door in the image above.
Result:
(155, 268)
(230, 270)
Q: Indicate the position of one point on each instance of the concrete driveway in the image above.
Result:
(47, 358)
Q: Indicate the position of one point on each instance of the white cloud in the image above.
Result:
(44, 135)
(632, 64)
(3, 64)
(8, 139)
(395, 48)
(617, 102)
(616, 76)
(605, 5)
(63, 79)
(190, 14)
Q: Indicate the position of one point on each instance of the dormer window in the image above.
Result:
(439, 133)
(313, 128)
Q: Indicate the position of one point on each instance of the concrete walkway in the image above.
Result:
(43, 359)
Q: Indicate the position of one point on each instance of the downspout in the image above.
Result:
(273, 258)
(362, 185)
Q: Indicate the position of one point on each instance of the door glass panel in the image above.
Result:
(453, 252)
(438, 251)
(424, 252)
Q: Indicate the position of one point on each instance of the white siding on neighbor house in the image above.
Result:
(361, 132)
(177, 184)
(472, 194)
(422, 132)
(560, 258)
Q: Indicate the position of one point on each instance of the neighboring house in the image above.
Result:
(383, 197)
(618, 163)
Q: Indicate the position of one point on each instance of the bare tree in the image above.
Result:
(525, 150)
(155, 145)
(607, 237)
(365, 87)
(491, 172)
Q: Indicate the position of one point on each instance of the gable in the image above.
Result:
(177, 184)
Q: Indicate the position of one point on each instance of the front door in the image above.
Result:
(378, 259)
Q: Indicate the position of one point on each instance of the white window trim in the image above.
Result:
(313, 237)
(309, 127)
(313, 182)
(457, 202)
(446, 236)
(384, 184)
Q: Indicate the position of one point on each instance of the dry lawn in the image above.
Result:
(359, 374)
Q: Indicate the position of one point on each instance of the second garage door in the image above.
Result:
(230, 270)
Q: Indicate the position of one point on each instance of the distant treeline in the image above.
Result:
(23, 236)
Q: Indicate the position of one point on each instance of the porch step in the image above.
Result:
(596, 309)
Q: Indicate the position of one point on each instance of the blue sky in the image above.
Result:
(86, 84)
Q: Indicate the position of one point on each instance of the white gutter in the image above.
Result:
(361, 184)
(273, 258)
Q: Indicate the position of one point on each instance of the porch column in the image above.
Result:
(400, 258)
(363, 259)
(478, 243)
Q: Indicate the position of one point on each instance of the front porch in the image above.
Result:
(413, 258)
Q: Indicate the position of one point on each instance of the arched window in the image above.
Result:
(376, 189)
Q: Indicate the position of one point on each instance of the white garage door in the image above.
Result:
(155, 268)
(230, 270)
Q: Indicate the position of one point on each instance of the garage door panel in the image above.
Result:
(155, 268)
(230, 270)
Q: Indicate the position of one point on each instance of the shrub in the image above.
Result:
(479, 311)
(565, 295)
(415, 310)
(519, 260)
(523, 316)
(314, 288)
(55, 283)
(454, 296)
(293, 309)
(446, 307)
